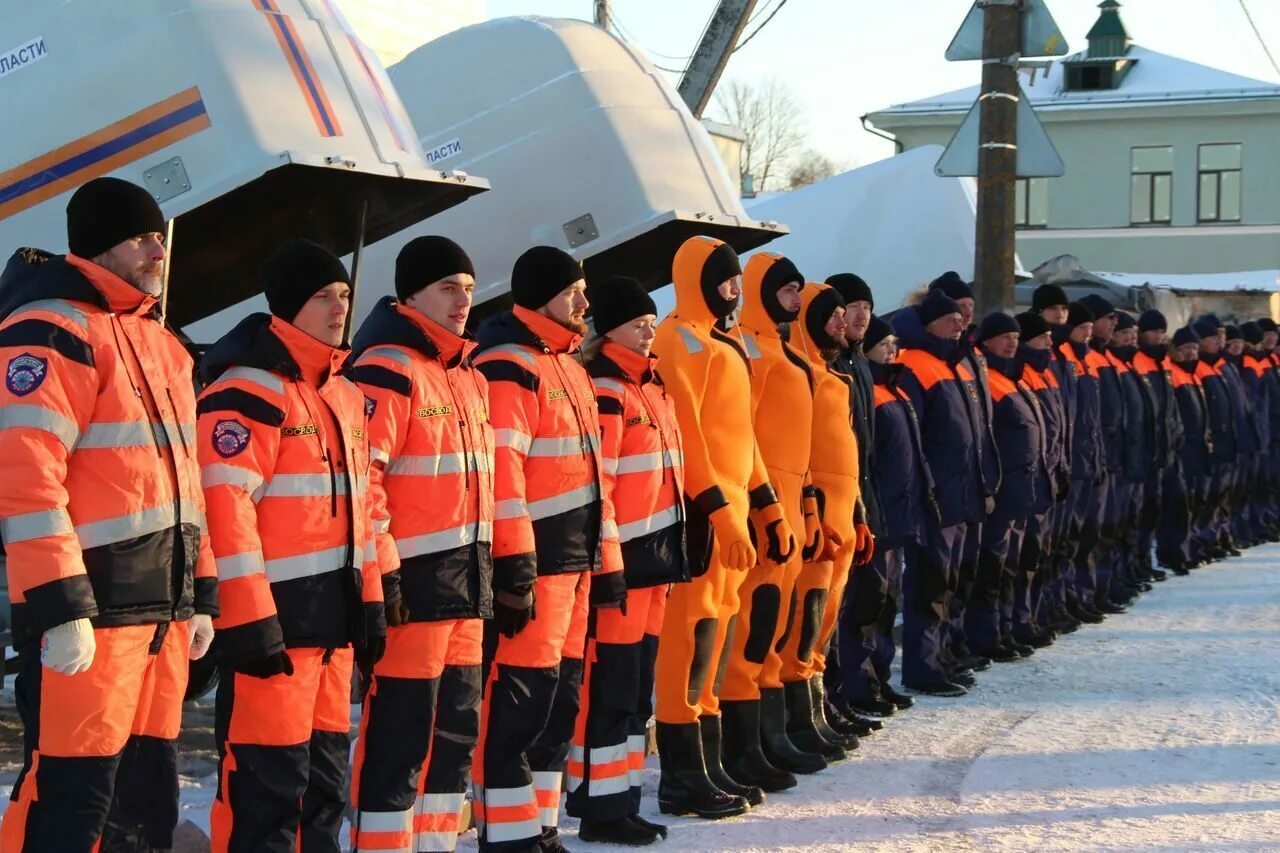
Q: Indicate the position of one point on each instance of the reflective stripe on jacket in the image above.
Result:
(101, 513)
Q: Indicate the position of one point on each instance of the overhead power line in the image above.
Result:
(1263, 42)
(765, 23)
(630, 36)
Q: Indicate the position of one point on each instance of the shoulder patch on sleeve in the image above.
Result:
(25, 374)
(230, 438)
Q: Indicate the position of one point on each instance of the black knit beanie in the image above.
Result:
(877, 331)
(936, 304)
(1205, 328)
(540, 274)
(1233, 333)
(953, 285)
(1078, 314)
(851, 288)
(1047, 296)
(995, 324)
(618, 300)
(107, 211)
(295, 272)
(1251, 332)
(1152, 321)
(1099, 306)
(425, 260)
(1186, 335)
(1212, 320)
(1266, 324)
(1032, 325)
(1125, 321)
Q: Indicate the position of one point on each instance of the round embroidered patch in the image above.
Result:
(26, 373)
(230, 438)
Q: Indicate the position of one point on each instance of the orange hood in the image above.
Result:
(700, 266)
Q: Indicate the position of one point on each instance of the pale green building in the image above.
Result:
(1172, 166)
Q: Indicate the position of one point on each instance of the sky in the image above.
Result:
(846, 58)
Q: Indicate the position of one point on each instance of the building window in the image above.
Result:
(1033, 203)
(1220, 182)
(1151, 186)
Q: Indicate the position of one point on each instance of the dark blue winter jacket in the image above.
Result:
(1112, 411)
(906, 487)
(942, 392)
(1219, 409)
(1086, 439)
(1193, 412)
(1139, 451)
(1243, 384)
(1019, 433)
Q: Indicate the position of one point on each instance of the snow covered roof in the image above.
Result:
(1264, 281)
(1155, 78)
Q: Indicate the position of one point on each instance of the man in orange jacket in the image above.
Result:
(555, 550)
(110, 575)
(781, 411)
(708, 375)
(431, 494)
(285, 461)
(644, 474)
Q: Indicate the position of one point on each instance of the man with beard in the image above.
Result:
(111, 577)
(555, 549)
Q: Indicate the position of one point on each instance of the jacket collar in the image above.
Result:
(316, 360)
(552, 335)
(121, 297)
(619, 362)
(1010, 368)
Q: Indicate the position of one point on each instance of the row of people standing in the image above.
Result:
(1035, 468)
(518, 550)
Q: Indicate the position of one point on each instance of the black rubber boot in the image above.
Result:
(684, 787)
(746, 763)
(901, 701)
(712, 749)
(847, 740)
(659, 828)
(778, 748)
(801, 729)
(623, 831)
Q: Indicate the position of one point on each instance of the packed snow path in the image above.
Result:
(1158, 729)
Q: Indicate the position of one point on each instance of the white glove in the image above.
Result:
(69, 648)
(201, 635)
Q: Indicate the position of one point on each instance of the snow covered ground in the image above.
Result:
(1158, 730)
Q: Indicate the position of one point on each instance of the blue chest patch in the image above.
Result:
(25, 374)
(230, 438)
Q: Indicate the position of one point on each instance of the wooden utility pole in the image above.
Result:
(714, 49)
(602, 14)
(997, 156)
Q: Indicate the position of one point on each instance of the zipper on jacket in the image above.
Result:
(181, 435)
(137, 391)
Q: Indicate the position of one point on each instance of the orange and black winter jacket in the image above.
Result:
(643, 464)
(431, 477)
(285, 461)
(101, 512)
(553, 515)
(708, 376)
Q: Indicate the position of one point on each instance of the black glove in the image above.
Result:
(267, 667)
(397, 611)
(609, 590)
(367, 655)
(512, 612)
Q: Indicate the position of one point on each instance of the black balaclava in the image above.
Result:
(780, 273)
(720, 266)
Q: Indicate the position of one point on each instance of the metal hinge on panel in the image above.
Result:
(166, 180)
(581, 230)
